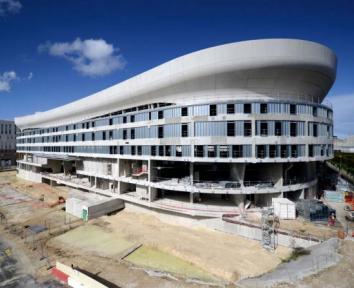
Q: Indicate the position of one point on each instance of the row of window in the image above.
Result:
(202, 151)
(207, 128)
(7, 128)
(198, 110)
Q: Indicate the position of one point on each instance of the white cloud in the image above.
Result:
(5, 80)
(30, 76)
(343, 114)
(91, 57)
(10, 6)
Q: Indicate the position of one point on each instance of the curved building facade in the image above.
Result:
(203, 134)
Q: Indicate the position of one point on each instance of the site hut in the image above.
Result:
(203, 134)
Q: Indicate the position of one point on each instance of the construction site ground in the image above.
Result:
(166, 255)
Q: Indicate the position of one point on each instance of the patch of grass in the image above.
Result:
(158, 260)
(296, 253)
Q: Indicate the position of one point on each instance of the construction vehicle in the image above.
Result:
(349, 215)
(349, 200)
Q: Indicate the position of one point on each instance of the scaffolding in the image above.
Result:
(270, 224)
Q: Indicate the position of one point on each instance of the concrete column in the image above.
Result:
(302, 194)
(238, 172)
(149, 170)
(239, 200)
(191, 172)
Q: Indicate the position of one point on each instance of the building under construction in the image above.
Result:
(204, 134)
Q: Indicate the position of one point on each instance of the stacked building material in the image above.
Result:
(313, 210)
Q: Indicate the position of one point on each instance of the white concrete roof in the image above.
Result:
(256, 69)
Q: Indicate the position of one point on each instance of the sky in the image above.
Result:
(55, 52)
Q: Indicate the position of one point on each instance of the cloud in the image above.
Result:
(5, 80)
(10, 6)
(30, 76)
(343, 107)
(91, 57)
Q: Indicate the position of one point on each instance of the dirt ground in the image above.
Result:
(98, 245)
(32, 189)
(226, 256)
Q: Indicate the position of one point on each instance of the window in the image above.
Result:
(66, 138)
(311, 151)
(121, 150)
(161, 150)
(211, 151)
(184, 130)
(87, 125)
(153, 150)
(184, 111)
(212, 110)
(198, 151)
(294, 151)
(124, 119)
(149, 115)
(74, 138)
(315, 134)
(264, 108)
(112, 149)
(224, 151)
(178, 151)
(132, 118)
(92, 124)
(167, 150)
(264, 129)
(292, 109)
(230, 109)
(140, 150)
(237, 151)
(125, 134)
(247, 108)
(247, 128)
(314, 111)
(110, 121)
(284, 151)
(109, 169)
(230, 129)
(66, 127)
(160, 132)
(160, 114)
(272, 151)
(93, 136)
(277, 128)
(83, 137)
(261, 151)
(104, 135)
(133, 150)
(293, 129)
(110, 135)
(74, 127)
(132, 133)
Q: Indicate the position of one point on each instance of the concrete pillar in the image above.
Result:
(237, 172)
(302, 194)
(191, 172)
(152, 194)
(239, 200)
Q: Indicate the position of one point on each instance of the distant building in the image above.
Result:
(344, 145)
(7, 143)
(202, 134)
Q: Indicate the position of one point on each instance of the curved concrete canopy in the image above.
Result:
(267, 69)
